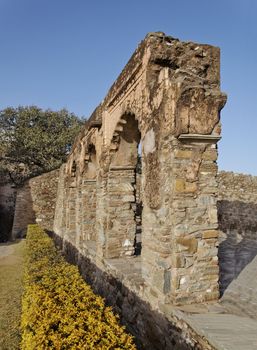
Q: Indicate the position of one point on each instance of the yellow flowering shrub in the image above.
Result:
(59, 310)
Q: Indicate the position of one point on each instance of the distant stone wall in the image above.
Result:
(43, 193)
(237, 217)
(24, 213)
(35, 202)
(237, 187)
(7, 203)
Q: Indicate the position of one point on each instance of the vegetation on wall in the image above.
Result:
(59, 310)
(33, 141)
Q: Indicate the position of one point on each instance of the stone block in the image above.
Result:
(128, 198)
(212, 213)
(184, 203)
(184, 154)
(203, 253)
(184, 282)
(178, 261)
(189, 261)
(182, 186)
(167, 282)
(210, 234)
(210, 155)
(189, 244)
(212, 296)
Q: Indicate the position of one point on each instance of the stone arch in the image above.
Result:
(125, 141)
(90, 161)
(123, 236)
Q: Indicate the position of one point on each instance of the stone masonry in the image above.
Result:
(167, 100)
(7, 203)
(237, 217)
(141, 209)
(35, 202)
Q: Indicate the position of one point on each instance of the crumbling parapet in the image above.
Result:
(168, 101)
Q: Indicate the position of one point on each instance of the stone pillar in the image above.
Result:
(180, 234)
(121, 224)
(88, 210)
(70, 234)
(79, 214)
(195, 270)
(101, 214)
(59, 217)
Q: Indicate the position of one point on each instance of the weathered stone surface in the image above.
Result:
(237, 187)
(189, 244)
(187, 154)
(237, 216)
(35, 202)
(210, 234)
(160, 203)
(184, 186)
(7, 204)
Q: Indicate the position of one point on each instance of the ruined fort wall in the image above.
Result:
(237, 216)
(35, 202)
(168, 100)
(7, 204)
(122, 285)
(237, 187)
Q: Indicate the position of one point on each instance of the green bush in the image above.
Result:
(59, 310)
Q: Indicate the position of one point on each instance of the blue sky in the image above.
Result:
(67, 53)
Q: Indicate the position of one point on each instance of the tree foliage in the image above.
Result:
(33, 141)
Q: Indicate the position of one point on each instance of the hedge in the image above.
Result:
(59, 310)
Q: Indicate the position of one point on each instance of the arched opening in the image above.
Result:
(90, 162)
(124, 188)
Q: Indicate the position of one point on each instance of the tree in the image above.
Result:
(33, 141)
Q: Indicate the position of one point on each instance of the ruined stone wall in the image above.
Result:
(237, 187)
(237, 215)
(168, 99)
(88, 208)
(43, 194)
(164, 220)
(35, 202)
(7, 204)
(24, 213)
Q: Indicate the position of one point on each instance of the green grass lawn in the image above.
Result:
(11, 258)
